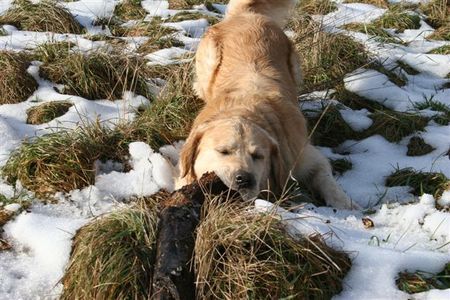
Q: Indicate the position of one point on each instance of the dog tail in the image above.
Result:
(277, 10)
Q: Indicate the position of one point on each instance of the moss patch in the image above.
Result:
(46, 15)
(16, 85)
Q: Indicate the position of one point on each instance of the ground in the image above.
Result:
(379, 109)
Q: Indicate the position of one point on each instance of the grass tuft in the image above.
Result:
(443, 118)
(418, 147)
(170, 117)
(317, 7)
(379, 34)
(113, 256)
(50, 52)
(98, 75)
(342, 165)
(420, 182)
(325, 58)
(63, 161)
(397, 18)
(46, 112)
(45, 15)
(16, 85)
(242, 255)
(394, 126)
(329, 129)
(379, 3)
(130, 10)
(420, 281)
(437, 12)
(441, 50)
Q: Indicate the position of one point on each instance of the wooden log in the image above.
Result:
(173, 276)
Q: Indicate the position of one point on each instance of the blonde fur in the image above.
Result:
(247, 72)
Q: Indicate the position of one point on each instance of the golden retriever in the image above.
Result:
(251, 132)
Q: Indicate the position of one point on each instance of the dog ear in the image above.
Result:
(188, 155)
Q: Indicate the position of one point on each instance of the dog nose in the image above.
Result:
(244, 180)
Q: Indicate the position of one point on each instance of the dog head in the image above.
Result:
(241, 153)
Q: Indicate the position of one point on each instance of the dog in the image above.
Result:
(251, 132)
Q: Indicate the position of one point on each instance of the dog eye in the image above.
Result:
(256, 156)
(224, 151)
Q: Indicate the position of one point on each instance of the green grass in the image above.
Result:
(418, 147)
(46, 112)
(130, 10)
(51, 52)
(329, 129)
(325, 58)
(113, 256)
(394, 126)
(420, 182)
(441, 50)
(398, 79)
(378, 33)
(46, 15)
(3, 32)
(398, 18)
(99, 74)
(379, 3)
(16, 85)
(443, 118)
(63, 161)
(420, 281)
(170, 117)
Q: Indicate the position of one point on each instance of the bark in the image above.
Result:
(174, 277)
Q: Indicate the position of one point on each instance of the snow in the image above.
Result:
(410, 233)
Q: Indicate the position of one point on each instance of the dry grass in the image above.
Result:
(112, 257)
(16, 85)
(420, 182)
(379, 3)
(397, 17)
(445, 50)
(63, 161)
(378, 33)
(46, 15)
(181, 4)
(325, 58)
(243, 255)
(437, 12)
(130, 10)
(316, 7)
(50, 52)
(46, 112)
(419, 281)
(99, 74)
(170, 117)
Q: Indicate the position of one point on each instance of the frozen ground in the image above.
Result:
(409, 237)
